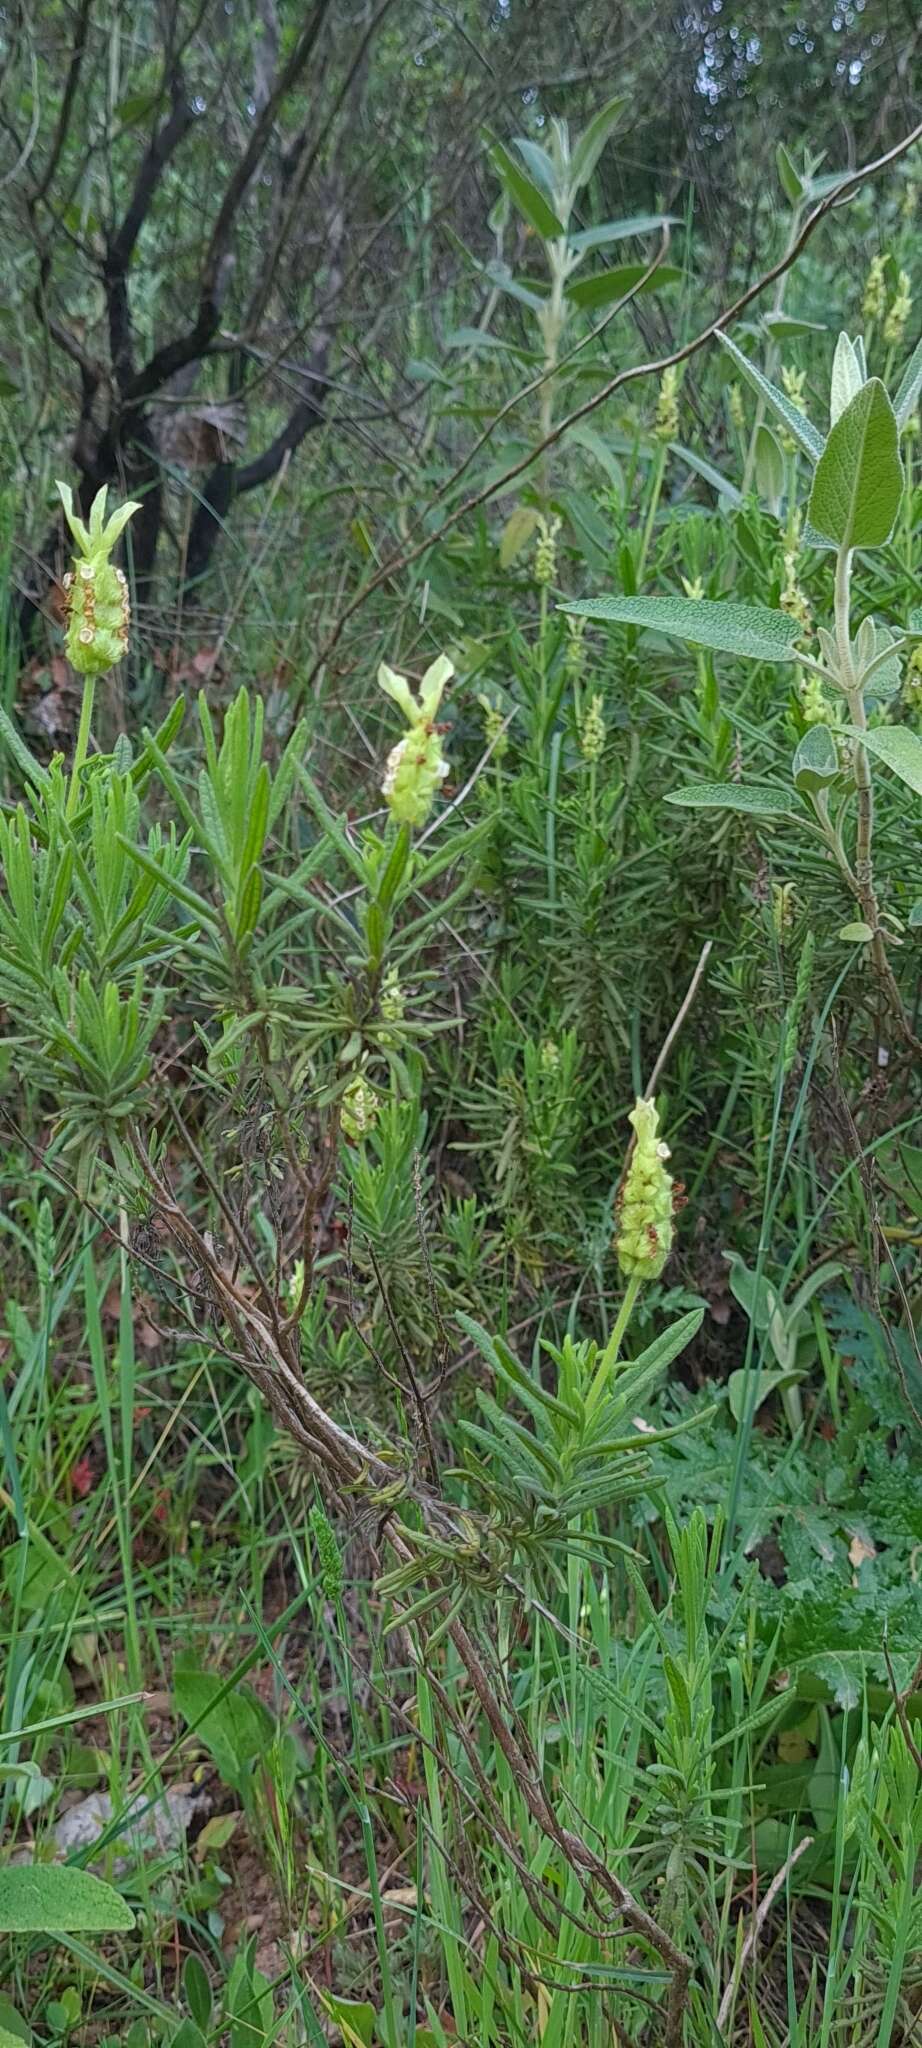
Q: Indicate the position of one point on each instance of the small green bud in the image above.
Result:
(98, 608)
(666, 422)
(735, 408)
(575, 656)
(646, 1204)
(873, 304)
(817, 708)
(549, 1056)
(493, 727)
(328, 1552)
(359, 1108)
(693, 588)
(592, 732)
(901, 306)
(415, 766)
(545, 569)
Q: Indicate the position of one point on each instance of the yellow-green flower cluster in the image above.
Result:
(900, 308)
(495, 737)
(735, 408)
(575, 655)
(666, 423)
(416, 765)
(549, 1056)
(359, 1108)
(592, 732)
(817, 708)
(794, 383)
(96, 593)
(392, 1005)
(643, 1239)
(545, 568)
(874, 302)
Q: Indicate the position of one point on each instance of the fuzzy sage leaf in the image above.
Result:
(747, 629)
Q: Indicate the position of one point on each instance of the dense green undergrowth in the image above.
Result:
(461, 1575)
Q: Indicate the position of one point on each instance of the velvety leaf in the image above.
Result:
(910, 385)
(750, 630)
(846, 378)
(761, 800)
(46, 1898)
(859, 477)
(857, 934)
(898, 748)
(816, 761)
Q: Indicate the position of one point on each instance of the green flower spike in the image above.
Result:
(98, 611)
(416, 766)
(643, 1240)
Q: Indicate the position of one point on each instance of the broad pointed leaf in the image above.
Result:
(859, 477)
(898, 748)
(747, 629)
(44, 1898)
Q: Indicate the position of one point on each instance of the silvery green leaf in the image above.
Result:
(759, 799)
(907, 396)
(898, 748)
(42, 1898)
(846, 378)
(619, 230)
(859, 477)
(747, 629)
(816, 761)
(797, 423)
(539, 164)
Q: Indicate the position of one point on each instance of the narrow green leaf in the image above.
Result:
(750, 630)
(797, 423)
(707, 470)
(588, 146)
(789, 178)
(859, 477)
(606, 286)
(898, 748)
(784, 326)
(46, 1898)
(619, 230)
(769, 465)
(527, 196)
(539, 164)
(761, 800)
